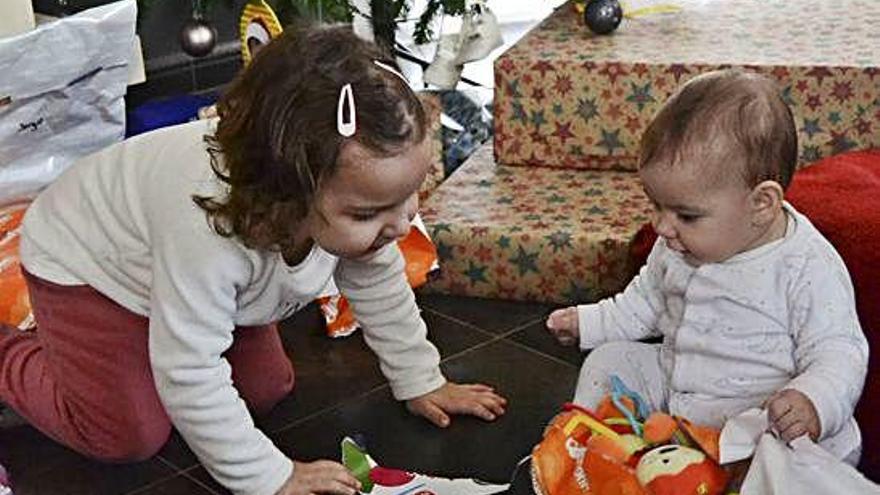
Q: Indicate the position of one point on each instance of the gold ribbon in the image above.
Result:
(664, 8)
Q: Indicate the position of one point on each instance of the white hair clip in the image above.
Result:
(346, 96)
(390, 69)
(346, 128)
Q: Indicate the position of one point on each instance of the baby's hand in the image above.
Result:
(792, 414)
(563, 324)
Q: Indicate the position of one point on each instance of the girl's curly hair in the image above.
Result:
(277, 138)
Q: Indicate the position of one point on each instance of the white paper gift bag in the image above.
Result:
(798, 468)
(62, 93)
(802, 468)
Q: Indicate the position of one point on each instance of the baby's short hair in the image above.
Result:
(725, 117)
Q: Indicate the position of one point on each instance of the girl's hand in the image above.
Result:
(563, 324)
(320, 478)
(453, 398)
(792, 414)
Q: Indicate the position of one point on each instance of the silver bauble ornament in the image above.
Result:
(197, 37)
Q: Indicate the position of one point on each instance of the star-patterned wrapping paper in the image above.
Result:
(534, 234)
(433, 108)
(567, 98)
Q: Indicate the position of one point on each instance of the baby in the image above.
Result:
(754, 306)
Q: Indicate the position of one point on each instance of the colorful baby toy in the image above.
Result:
(625, 449)
(380, 480)
(675, 469)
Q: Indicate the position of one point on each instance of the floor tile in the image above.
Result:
(178, 485)
(469, 447)
(521, 480)
(26, 452)
(73, 474)
(451, 336)
(537, 337)
(492, 315)
(329, 371)
(177, 453)
(199, 473)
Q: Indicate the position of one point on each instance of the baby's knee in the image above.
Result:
(608, 355)
(594, 380)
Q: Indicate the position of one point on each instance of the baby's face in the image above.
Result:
(706, 220)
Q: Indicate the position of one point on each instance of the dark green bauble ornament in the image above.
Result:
(603, 16)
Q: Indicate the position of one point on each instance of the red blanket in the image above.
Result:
(841, 196)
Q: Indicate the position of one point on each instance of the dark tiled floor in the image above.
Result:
(340, 391)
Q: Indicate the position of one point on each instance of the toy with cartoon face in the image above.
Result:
(678, 470)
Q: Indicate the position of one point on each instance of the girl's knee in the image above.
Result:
(138, 443)
(134, 434)
(263, 399)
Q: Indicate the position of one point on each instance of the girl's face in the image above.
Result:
(369, 202)
(706, 221)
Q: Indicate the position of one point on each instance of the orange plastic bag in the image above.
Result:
(15, 305)
(420, 256)
(563, 463)
(582, 454)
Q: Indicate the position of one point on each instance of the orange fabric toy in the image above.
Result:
(659, 428)
(619, 452)
(562, 464)
(679, 470)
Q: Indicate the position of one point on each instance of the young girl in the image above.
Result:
(755, 307)
(158, 267)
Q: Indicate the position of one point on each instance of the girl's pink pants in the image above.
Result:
(83, 377)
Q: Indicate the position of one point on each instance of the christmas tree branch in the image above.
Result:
(393, 11)
(423, 30)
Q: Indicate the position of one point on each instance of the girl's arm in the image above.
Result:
(385, 305)
(191, 323)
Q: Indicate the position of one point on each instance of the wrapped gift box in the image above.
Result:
(567, 98)
(538, 234)
(433, 109)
